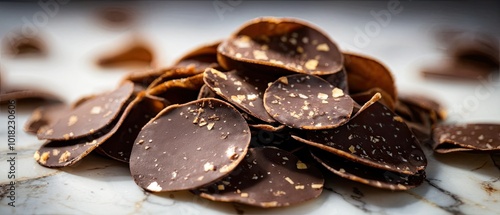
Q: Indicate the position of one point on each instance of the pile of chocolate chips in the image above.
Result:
(255, 119)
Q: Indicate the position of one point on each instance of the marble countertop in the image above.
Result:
(458, 183)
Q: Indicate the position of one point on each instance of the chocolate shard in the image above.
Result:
(374, 137)
(176, 91)
(267, 178)
(189, 145)
(244, 90)
(307, 102)
(44, 116)
(366, 174)
(280, 45)
(90, 116)
(478, 137)
(200, 58)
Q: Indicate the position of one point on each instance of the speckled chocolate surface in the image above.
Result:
(190, 145)
(365, 174)
(243, 89)
(267, 177)
(467, 137)
(307, 102)
(281, 44)
(374, 137)
(90, 116)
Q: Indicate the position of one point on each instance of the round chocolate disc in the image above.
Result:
(243, 89)
(366, 174)
(190, 145)
(281, 44)
(307, 102)
(267, 177)
(90, 116)
(375, 137)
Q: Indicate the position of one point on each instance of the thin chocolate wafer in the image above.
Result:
(90, 116)
(365, 73)
(280, 45)
(200, 58)
(138, 113)
(363, 97)
(190, 145)
(366, 174)
(436, 111)
(44, 116)
(338, 79)
(307, 102)
(242, 89)
(20, 45)
(177, 91)
(27, 95)
(479, 137)
(267, 177)
(375, 137)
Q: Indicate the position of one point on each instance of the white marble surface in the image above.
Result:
(456, 183)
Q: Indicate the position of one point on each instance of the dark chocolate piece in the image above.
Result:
(338, 79)
(363, 97)
(20, 45)
(307, 102)
(190, 145)
(375, 137)
(267, 177)
(177, 91)
(480, 137)
(27, 95)
(44, 116)
(280, 45)
(200, 58)
(365, 73)
(90, 116)
(242, 89)
(366, 174)
(139, 112)
(463, 70)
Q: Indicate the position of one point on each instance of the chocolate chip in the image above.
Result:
(365, 73)
(267, 178)
(375, 137)
(280, 45)
(190, 145)
(467, 137)
(90, 116)
(242, 89)
(307, 102)
(366, 174)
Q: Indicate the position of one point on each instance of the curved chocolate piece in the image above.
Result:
(338, 79)
(242, 89)
(90, 116)
(44, 116)
(375, 137)
(280, 45)
(365, 73)
(365, 96)
(137, 53)
(200, 58)
(267, 177)
(138, 113)
(366, 174)
(190, 145)
(177, 91)
(21, 45)
(435, 110)
(307, 102)
(480, 137)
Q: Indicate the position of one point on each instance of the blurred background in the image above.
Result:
(74, 36)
